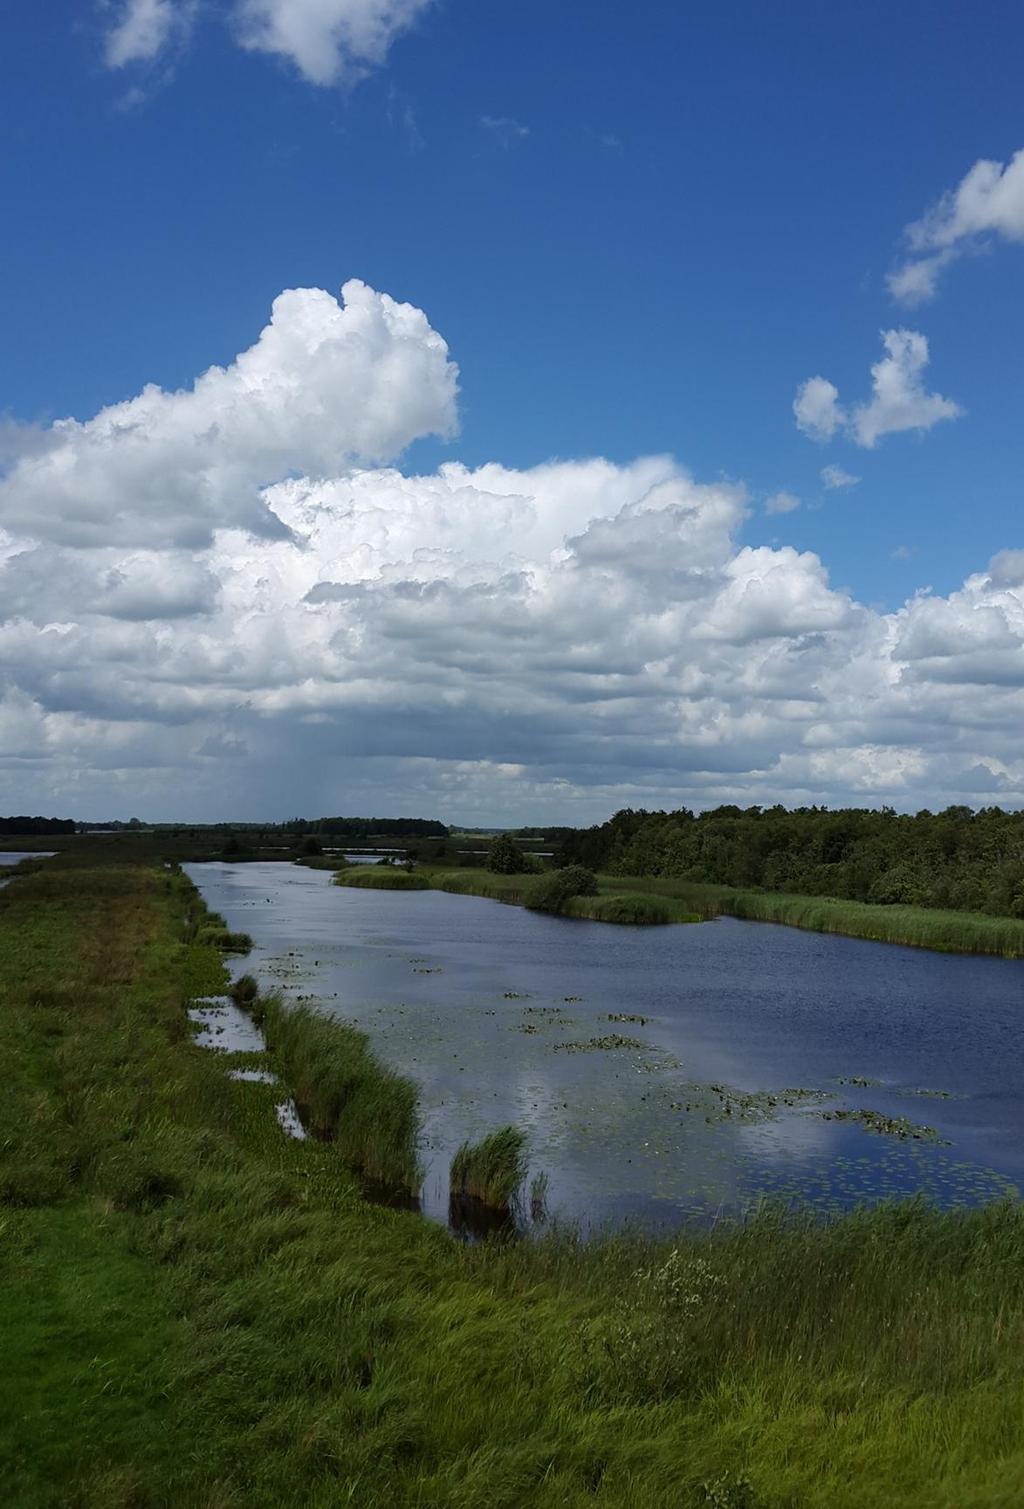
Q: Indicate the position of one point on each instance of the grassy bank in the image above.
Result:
(641, 900)
(915, 927)
(343, 1094)
(200, 1312)
(639, 907)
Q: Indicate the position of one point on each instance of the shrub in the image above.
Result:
(552, 891)
(506, 857)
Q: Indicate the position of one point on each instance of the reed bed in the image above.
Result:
(916, 927)
(343, 1093)
(381, 878)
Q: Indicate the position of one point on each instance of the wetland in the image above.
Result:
(660, 1075)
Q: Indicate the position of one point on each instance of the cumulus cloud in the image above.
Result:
(328, 41)
(326, 384)
(899, 400)
(817, 409)
(988, 201)
(299, 625)
(835, 478)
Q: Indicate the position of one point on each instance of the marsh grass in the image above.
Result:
(381, 878)
(492, 1170)
(343, 1093)
(630, 907)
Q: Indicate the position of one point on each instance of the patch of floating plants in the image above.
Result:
(607, 1044)
(887, 1126)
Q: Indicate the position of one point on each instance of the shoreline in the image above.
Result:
(910, 927)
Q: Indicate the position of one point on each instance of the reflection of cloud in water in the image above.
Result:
(792, 1138)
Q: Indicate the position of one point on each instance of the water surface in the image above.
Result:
(726, 1090)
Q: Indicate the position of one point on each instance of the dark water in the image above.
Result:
(491, 1010)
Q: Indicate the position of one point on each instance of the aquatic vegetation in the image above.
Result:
(608, 1043)
(218, 936)
(381, 878)
(630, 908)
(244, 991)
(539, 1197)
(491, 1170)
(885, 1126)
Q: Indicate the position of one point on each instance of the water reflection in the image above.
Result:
(717, 1097)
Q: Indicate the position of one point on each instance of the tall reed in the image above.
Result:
(344, 1094)
(491, 1170)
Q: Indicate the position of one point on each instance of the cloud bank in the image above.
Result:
(227, 601)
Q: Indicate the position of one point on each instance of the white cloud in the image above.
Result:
(781, 502)
(144, 28)
(488, 642)
(817, 409)
(989, 200)
(326, 385)
(834, 478)
(898, 401)
(328, 41)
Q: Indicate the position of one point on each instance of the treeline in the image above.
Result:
(26, 826)
(957, 859)
(368, 827)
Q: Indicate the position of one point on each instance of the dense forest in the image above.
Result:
(26, 826)
(958, 859)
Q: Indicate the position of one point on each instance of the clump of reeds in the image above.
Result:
(382, 878)
(344, 1095)
(221, 937)
(491, 1170)
(244, 991)
(626, 907)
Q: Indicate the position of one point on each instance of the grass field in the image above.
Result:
(200, 1312)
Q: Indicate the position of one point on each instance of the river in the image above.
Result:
(726, 1085)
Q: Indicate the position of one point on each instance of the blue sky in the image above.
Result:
(639, 230)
